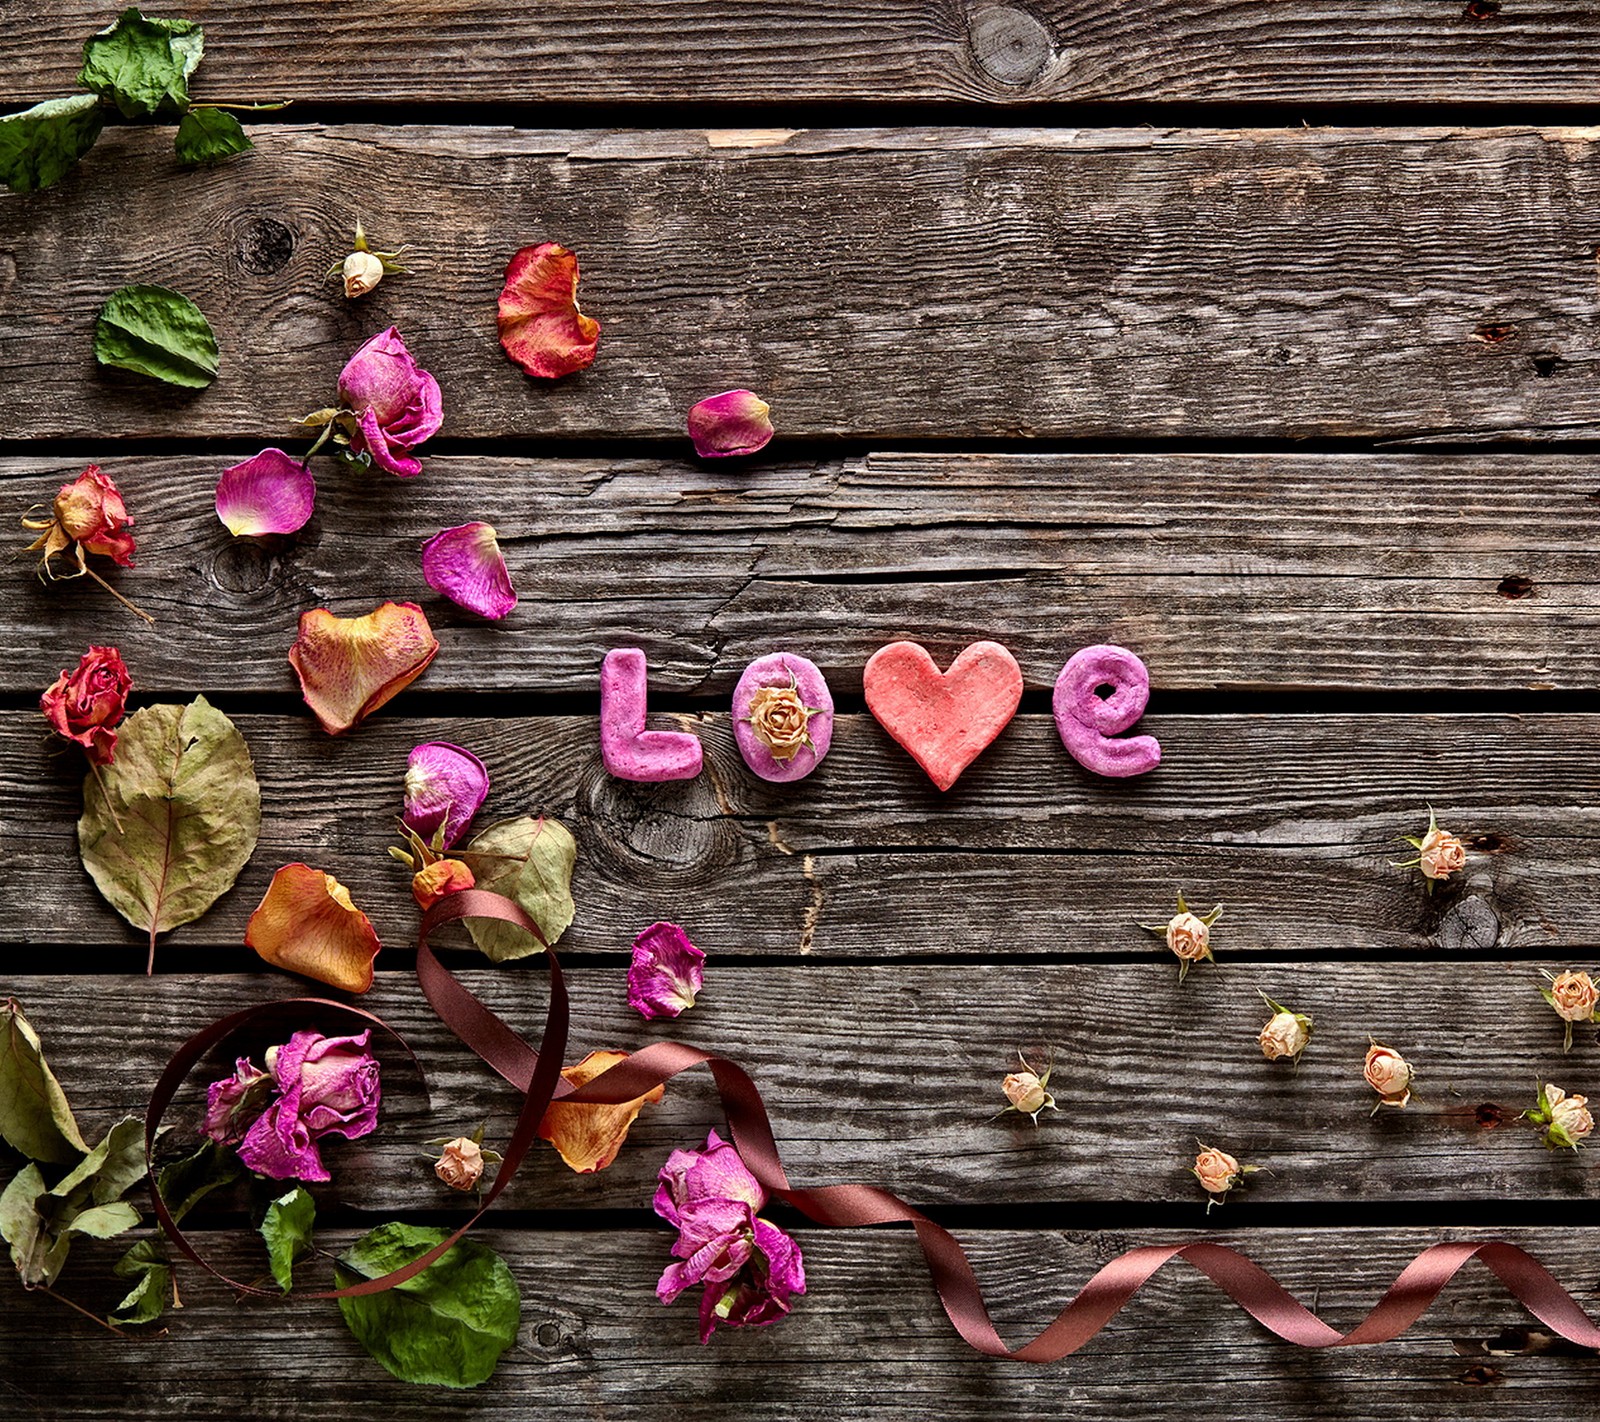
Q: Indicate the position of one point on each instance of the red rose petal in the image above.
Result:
(541, 327)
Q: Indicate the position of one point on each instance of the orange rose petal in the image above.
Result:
(589, 1137)
(307, 924)
(350, 666)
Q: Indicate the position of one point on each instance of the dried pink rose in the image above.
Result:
(541, 327)
(445, 787)
(750, 1269)
(396, 402)
(1286, 1033)
(466, 565)
(329, 1086)
(1439, 853)
(735, 422)
(86, 704)
(1566, 1119)
(1027, 1091)
(233, 1103)
(1216, 1170)
(1389, 1074)
(1575, 999)
(1187, 934)
(270, 493)
(666, 973)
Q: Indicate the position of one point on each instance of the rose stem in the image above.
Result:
(137, 611)
(79, 1308)
(107, 794)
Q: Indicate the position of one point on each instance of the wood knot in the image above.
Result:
(548, 1334)
(1470, 922)
(264, 246)
(1011, 46)
(667, 837)
(243, 566)
(1515, 585)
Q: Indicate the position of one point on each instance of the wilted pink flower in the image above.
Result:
(270, 493)
(396, 402)
(445, 787)
(466, 565)
(665, 974)
(749, 1267)
(328, 1086)
(735, 422)
(233, 1103)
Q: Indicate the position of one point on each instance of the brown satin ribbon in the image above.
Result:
(536, 1073)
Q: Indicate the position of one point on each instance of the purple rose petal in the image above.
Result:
(445, 787)
(466, 565)
(735, 422)
(271, 493)
(666, 972)
(230, 1100)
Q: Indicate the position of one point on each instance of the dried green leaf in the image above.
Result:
(169, 824)
(159, 332)
(529, 860)
(142, 65)
(184, 1183)
(208, 135)
(111, 1167)
(41, 145)
(101, 1221)
(286, 1227)
(34, 1116)
(449, 1325)
(37, 1253)
(146, 1301)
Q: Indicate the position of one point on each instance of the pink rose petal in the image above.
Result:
(445, 788)
(735, 422)
(397, 403)
(271, 493)
(466, 565)
(541, 327)
(666, 973)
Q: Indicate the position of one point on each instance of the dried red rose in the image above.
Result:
(85, 705)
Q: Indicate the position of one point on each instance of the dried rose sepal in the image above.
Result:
(350, 666)
(735, 422)
(466, 565)
(270, 493)
(589, 1137)
(307, 924)
(541, 327)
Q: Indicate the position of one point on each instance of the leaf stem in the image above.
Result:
(150, 966)
(79, 1308)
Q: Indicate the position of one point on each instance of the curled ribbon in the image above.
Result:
(536, 1073)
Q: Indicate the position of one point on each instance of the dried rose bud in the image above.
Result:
(1285, 1034)
(362, 272)
(1389, 1074)
(779, 718)
(1026, 1091)
(439, 880)
(1187, 934)
(85, 705)
(460, 1163)
(1574, 997)
(1216, 1170)
(1566, 1119)
(1439, 853)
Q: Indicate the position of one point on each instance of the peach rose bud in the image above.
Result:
(1389, 1074)
(1026, 1093)
(1187, 934)
(460, 1163)
(1285, 1034)
(1216, 1170)
(362, 272)
(1441, 854)
(1570, 1120)
(1574, 997)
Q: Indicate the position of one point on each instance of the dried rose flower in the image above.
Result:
(460, 1163)
(364, 268)
(439, 880)
(749, 1267)
(1187, 934)
(1389, 1074)
(394, 401)
(1566, 1119)
(445, 787)
(272, 492)
(1285, 1034)
(467, 566)
(735, 422)
(88, 516)
(85, 705)
(328, 1086)
(1575, 999)
(1439, 854)
(233, 1103)
(1025, 1092)
(1218, 1173)
(779, 717)
(666, 973)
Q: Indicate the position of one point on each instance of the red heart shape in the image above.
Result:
(943, 719)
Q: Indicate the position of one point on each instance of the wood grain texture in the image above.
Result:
(867, 1340)
(872, 283)
(1290, 822)
(1274, 571)
(902, 50)
(891, 1074)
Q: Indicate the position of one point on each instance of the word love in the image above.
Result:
(944, 720)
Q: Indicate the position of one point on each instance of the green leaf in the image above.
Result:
(142, 65)
(209, 135)
(34, 1116)
(449, 1325)
(41, 145)
(184, 1183)
(286, 1228)
(146, 1301)
(169, 824)
(111, 1167)
(102, 1221)
(529, 860)
(37, 1252)
(155, 331)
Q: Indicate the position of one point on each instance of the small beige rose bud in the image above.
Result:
(362, 272)
(1574, 997)
(1026, 1092)
(1216, 1170)
(460, 1163)
(1570, 1120)
(1285, 1035)
(1441, 854)
(1188, 936)
(1389, 1074)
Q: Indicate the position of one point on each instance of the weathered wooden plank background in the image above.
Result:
(1072, 333)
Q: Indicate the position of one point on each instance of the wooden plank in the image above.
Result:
(1094, 51)
(1290, 822)
(867, 1339)
(891, 1073)
(1174, 283)
(1375, 571)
